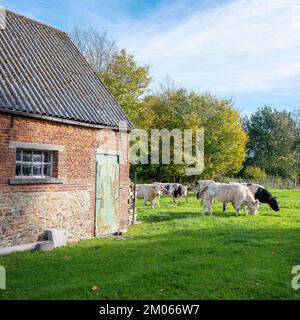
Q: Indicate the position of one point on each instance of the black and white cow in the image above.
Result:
(261, 194)
(175, 190)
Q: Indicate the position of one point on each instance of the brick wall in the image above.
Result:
(27, 211)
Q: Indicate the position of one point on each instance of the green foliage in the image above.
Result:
(225, 138)
(272, 145)
(174, 254)
(274, 137)
(255, 173)
(127, 81)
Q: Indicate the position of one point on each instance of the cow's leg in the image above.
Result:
(145, 202)
(210, 208)
(153, 203)
(174, 201)
(203, 208)
(204, 205)
(224, 206)
(245, 210)
(207, 203)
(237, 206)
(158, 202)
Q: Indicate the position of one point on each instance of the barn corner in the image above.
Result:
(60, 141)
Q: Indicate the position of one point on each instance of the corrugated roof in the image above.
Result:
(43, 73)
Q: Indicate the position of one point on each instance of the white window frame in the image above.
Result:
(42, 163)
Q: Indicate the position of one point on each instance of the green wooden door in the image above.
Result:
(107, 194)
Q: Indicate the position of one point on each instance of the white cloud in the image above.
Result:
(245, 49)
(242, 46)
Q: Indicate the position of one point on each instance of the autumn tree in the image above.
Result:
(127, 81)
(225, 138)
(120, 72)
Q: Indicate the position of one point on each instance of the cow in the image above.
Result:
(200, 186)
(261, 194)
(239, 195)
(148, 192)
(175, 190)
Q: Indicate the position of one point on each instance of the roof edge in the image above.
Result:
(20, 16)
(101, 81)
(60, 120)
(106, 89)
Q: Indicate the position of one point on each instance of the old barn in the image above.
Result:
(63, 160)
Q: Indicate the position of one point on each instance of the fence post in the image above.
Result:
(134, 199)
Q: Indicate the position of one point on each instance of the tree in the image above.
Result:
(296, 117)
(127, 81)
(272, 145)
(98, 47)
(225, 138)
(255, 173)
(119, 70)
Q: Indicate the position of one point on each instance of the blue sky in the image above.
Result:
(247, 50)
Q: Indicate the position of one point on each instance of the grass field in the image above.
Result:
(174, 254)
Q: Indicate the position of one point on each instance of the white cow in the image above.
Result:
(200, 185)
(261, 194)
(148, 192)
(239, 195)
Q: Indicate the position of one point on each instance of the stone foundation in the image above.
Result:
(24, 217)
(28, 208)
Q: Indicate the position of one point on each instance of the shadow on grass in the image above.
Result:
(184, 263)
(166, 216)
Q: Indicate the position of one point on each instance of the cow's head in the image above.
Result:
(264, 196)
(274, 204)
(254, 208)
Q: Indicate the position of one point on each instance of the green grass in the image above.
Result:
(174, 254)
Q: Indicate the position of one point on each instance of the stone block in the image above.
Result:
(57, 236)
(45, 246)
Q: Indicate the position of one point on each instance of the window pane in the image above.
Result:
(26, 169)
(47, 157)
(37, 170)
(18, 169)
(19, 155)
(27, 156)
(47, 170)
(37, 156)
